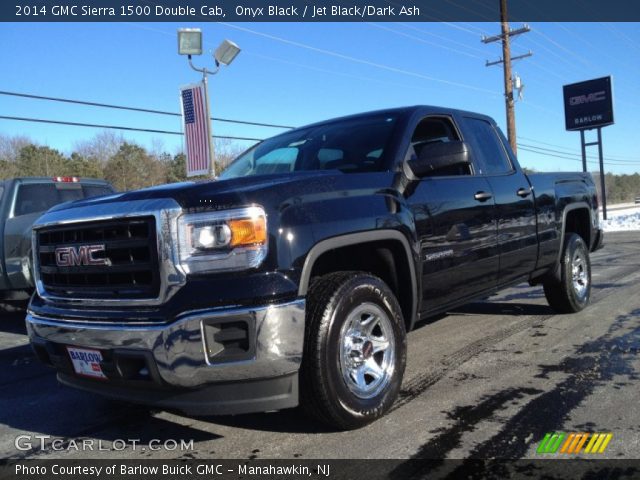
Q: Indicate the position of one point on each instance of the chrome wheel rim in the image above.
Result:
(367, 351)
(579, 275)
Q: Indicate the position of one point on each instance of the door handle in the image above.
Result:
(523, 192)
(482, 196)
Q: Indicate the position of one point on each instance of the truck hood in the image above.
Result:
(267, 190)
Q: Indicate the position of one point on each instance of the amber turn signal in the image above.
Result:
(248, 231)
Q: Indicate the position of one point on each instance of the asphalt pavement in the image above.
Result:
(487, 380)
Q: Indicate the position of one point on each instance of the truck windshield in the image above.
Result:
(350, 145)
(40, 197)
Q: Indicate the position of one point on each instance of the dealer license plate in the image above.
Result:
(86, 362)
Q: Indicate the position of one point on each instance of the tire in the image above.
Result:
(568, 289)
(351, 316)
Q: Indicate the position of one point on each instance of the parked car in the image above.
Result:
(296, 276)
(22, 201)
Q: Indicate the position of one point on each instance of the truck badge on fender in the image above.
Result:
(82, 255)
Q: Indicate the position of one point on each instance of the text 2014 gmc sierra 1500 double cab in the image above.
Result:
(295, 276)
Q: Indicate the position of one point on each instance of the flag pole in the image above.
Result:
(205, 83)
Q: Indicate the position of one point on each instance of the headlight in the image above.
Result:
(225, 240)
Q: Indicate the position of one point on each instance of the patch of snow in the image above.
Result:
(622, 219)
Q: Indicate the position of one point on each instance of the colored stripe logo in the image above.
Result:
(574, 442)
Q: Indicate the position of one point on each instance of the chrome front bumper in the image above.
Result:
(179, 349)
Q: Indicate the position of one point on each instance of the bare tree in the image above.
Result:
(101, 147)
(225, 151)
(10, 146)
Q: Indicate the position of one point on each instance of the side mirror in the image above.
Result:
(438, 156)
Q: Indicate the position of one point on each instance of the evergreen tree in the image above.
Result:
(39, 161)
(85, 167)
(176, 169)
(132, 167)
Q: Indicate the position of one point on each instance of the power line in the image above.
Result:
(441, 37)
(568, 68)
(465, 29)
(549, 71)
(133, 109)
(570, 152)
(357, 60)
(562, 47)
(336, 72)
(561, 62)
(551, 154)
(115, 127)
(567, 156)
(611, 161)
(620, 34)
(422, 40)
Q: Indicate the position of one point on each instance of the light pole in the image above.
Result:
(190, 43)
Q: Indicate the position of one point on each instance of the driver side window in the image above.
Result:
(434, 130)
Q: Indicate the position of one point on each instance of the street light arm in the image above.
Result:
(204, 71)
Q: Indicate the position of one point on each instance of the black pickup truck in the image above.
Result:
(294, 278)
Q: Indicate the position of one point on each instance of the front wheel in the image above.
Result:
(568, 290)
(355, 350)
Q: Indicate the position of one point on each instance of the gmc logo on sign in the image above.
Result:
(77, 256)
(592, 97)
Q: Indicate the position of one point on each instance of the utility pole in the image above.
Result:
(506, 60)
(508, 86)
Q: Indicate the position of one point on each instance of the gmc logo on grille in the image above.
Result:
(77, 256)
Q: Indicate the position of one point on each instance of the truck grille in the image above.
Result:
(125, 264)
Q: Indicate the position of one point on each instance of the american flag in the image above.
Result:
(196, 129)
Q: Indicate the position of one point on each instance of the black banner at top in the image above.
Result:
(316, 11)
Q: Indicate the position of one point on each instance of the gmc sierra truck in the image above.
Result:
(295, 277)
(22, 201)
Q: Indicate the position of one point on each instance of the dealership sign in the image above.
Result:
(588, 104)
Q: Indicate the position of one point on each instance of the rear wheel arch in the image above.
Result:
(576, 218)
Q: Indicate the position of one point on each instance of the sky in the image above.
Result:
(298, 73)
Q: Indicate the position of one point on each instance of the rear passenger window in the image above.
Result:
(489, 151)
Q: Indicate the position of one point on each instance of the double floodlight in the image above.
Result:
(190, 43)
